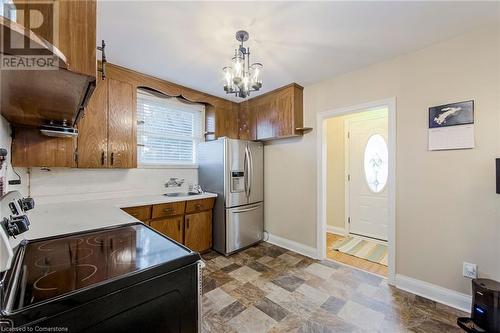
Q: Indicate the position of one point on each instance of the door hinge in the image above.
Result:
(349, 220)
(348, 178)
(348, 135)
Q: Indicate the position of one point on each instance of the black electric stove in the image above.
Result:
(126, 278)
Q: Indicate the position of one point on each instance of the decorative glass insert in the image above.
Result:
(376, 163)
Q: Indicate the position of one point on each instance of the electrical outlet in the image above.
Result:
(469, 270)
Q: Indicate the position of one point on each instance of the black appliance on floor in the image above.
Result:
(121, 279)
(485, 310)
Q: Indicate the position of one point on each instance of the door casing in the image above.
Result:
(390, 103)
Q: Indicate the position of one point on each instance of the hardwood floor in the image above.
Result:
(347, 259)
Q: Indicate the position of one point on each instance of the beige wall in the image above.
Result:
(447, 210)
(335, 173)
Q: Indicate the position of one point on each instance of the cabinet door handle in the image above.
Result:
(112, 158)
(103, 157)
(168, 210)
(198, 206)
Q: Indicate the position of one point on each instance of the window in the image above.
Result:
(375, 163)
(168, 130)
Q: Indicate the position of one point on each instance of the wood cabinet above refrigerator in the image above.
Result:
(274, 115)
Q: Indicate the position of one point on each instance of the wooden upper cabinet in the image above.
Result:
(77, 36)
(121, 130)
(221, 121)
(73, 29)
(32, 149)
(276, 114)
(107, 133)
(93, 130)
(247, 121)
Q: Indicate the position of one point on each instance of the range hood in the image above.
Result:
(59, 131)
(34, 97)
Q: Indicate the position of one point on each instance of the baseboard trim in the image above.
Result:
(434, 292)
(305, 250)
(335, 230)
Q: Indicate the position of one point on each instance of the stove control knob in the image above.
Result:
(16, 225)
(22, 222)
(27, 204)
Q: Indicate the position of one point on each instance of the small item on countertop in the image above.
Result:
(195, 189)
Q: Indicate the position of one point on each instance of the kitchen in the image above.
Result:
(134, 186)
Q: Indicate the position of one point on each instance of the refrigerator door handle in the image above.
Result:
(247, 209)
(247, 172)
(250, 167)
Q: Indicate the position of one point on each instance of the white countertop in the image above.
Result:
(68, 217)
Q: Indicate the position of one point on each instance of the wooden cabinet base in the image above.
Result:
(198, 231)
(194, 229)
(172, 227)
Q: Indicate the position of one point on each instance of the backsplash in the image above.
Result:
(64, 185)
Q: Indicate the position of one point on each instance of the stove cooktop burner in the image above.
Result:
(58, 266)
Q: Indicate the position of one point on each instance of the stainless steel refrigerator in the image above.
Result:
(234, 169)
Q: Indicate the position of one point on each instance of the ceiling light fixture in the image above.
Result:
(241, 78)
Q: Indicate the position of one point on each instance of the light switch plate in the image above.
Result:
(469, 270)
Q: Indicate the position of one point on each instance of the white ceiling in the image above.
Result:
(304, 42)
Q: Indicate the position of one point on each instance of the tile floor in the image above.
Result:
(269, 289)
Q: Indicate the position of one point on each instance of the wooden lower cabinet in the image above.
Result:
(172, 227)
(198, 231)
(142, 213)
(187, 222)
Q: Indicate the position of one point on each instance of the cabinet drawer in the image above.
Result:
(172, 227)
(169, 209)
(142, 213)
(193, 206)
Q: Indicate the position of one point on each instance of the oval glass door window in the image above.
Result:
(376, 163)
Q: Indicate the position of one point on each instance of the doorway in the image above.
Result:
(356, 185)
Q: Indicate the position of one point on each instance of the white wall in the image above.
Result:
(447, 210)
(63, 184)
(335, 173)
(5, 142)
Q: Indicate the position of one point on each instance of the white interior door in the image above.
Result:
(367, 174)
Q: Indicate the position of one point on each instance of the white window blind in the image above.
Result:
(168, 130)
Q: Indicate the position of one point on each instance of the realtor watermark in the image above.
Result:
(28, 45)
(31, 62)
(35, 329)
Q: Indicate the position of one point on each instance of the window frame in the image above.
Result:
(155, 94)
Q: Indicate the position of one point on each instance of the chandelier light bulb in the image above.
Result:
(228, 78)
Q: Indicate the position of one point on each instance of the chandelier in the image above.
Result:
(241, 78)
